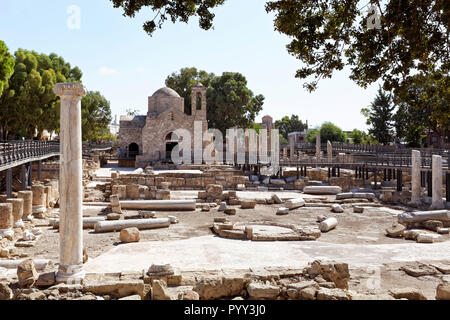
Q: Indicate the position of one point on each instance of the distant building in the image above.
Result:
(298, 136)
(267, 123)
(148, 138)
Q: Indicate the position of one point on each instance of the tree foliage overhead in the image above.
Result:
(329, 34)
(287, 125)
(229, 101)
(175, 10)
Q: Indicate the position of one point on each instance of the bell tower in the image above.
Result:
(198, 99)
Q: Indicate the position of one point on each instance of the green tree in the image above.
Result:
(28, 104)
(174, 10)
(357, 136)
(312, 134)
(183, 81)
(328, 34)
(331, 132)
(380, 117)
(229, 101)
(6, 66)
(410, 43)
(287, 125)
(423, 106)
(328, 132)
(96, 116)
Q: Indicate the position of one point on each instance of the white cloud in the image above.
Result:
(140, 69)
(105, 71)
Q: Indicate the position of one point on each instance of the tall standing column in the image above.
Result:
(436, 201)
(415, 178)
(329, 152)
(71, 188)
(292, 147)
(318, 146)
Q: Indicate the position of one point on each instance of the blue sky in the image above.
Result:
(126, 65)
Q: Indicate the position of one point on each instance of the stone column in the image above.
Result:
(48, 196)
(318, 146)
(436, 201)
(415, 178)
(329, 152)
(17, 211)
(284, 154)
(292, 147)
(6, 220)
(27, 197)
(71, 188)
(39, 200)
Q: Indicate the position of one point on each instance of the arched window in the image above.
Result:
(199, 101)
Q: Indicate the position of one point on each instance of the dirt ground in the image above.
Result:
(353, 228)
(356, 228)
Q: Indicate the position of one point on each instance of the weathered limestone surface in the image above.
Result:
(419, 216)
(329, 152)
(322, 190)
(6, 219)
(26, 273)
(130, 235)
(407, 293)
(17, 211)
(415, 178)
(39, 200)
(105, 226)
(27, 197)
(185, 205)
(328, 224)
(248, 204)
(88, 222)
(295, 203)
(318, 146)
(443, 291)
(71, 188)
(437, 202)
(258, 290)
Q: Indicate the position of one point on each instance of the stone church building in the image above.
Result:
(147, 138)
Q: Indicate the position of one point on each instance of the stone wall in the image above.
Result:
(182, 181)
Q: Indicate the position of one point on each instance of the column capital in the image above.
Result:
(69, 89)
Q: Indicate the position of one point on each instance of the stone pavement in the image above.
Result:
(214, 253)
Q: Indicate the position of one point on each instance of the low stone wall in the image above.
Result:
(182, 180)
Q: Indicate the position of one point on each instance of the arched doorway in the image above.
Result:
(133, 150)
(171, 141)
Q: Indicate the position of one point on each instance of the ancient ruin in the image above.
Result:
(149, 138)
(152, 232)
